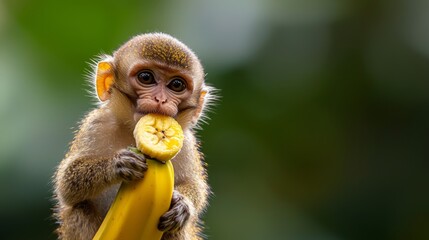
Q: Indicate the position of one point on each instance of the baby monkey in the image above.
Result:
(151, 73)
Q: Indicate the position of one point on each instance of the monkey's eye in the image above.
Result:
(145, 77)
(177, 85)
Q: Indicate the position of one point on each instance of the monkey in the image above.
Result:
(151, 73)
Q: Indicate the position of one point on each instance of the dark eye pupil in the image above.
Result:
(177, 85)
(145, 77)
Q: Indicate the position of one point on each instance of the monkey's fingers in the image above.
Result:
(178, 214)
(130, 165)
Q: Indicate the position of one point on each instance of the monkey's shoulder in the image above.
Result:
(98, 119)
(99, 130)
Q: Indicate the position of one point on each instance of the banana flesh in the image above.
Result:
(158, 136)
(138, 206)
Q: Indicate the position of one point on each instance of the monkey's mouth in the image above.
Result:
(139, 114)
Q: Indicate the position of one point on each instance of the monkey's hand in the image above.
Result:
(178, 215)
(129, 165)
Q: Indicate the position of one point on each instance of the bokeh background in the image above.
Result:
(321, 132)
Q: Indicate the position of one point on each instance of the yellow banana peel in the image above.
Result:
(138, 206)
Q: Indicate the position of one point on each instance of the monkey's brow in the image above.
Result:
(167, 53)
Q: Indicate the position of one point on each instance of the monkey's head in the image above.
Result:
(153, 73)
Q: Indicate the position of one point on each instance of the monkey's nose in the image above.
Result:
(162, 100)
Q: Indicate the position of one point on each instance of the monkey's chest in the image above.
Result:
(104, 200)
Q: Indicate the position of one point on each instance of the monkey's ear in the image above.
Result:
(104, 79)
(201, 103)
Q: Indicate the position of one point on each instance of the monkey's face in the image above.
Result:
(159, 88)
(158, 74)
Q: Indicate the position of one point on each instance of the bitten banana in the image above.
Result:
(158, 136)
(138, 206)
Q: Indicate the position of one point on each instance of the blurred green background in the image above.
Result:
(322, 130)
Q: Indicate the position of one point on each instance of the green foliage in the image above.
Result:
(320, 133)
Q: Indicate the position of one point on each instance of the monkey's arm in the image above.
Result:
(86, 177)
(191, 190)
(97, 159)
(82, 178)
(192, 180)
(196, 190)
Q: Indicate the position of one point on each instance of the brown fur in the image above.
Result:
(88, 178)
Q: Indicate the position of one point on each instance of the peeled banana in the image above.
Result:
(158, 136)
(138, 206)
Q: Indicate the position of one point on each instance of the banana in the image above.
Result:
(158, 136)
(138, 206)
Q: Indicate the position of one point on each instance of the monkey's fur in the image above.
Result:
(88, 178)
